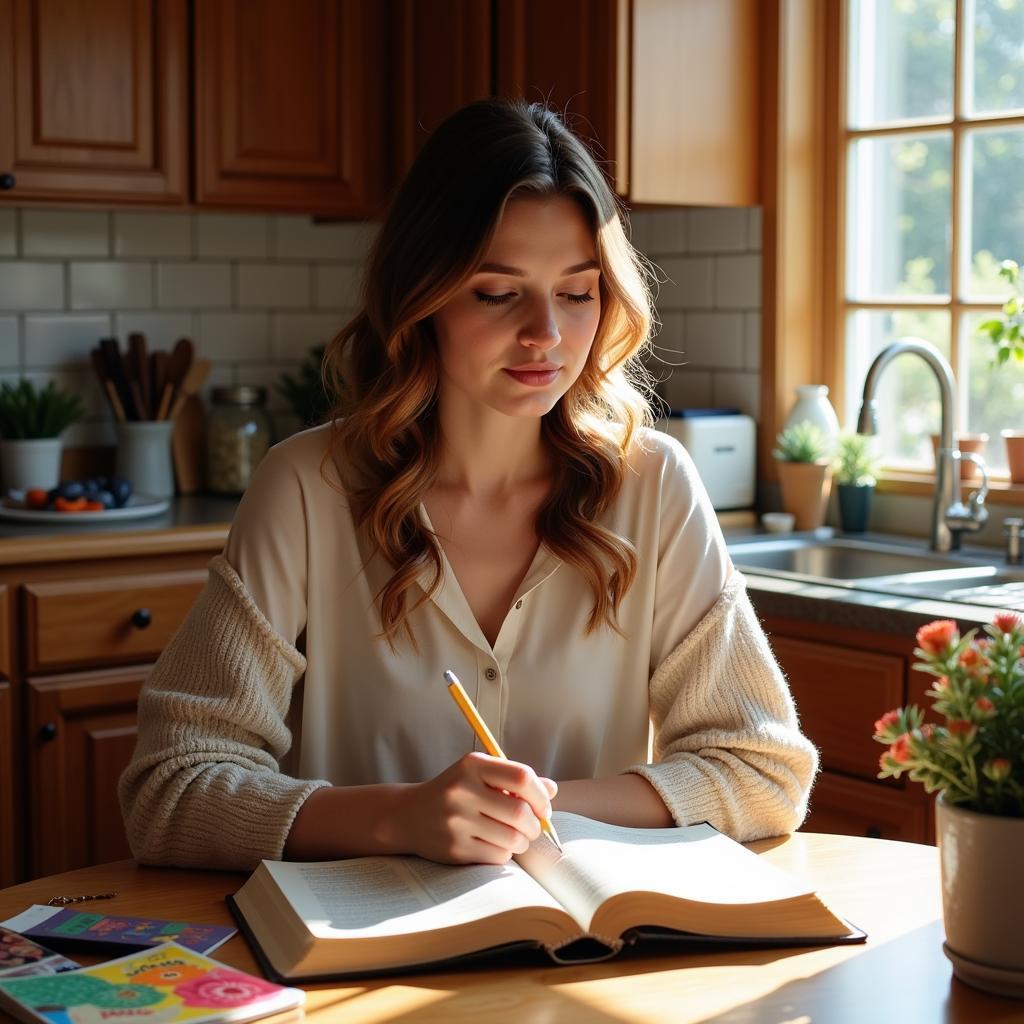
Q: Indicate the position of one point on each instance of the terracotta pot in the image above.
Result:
(982, 900)
(805, 490)
(966, 443)
(1014, 441)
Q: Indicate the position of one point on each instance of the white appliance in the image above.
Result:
(723, 446)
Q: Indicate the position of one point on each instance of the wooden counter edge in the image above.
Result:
(74, 547)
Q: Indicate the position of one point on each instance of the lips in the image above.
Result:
(535, 375)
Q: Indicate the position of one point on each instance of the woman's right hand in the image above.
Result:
(480, 810)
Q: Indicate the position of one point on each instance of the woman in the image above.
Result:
(486, 498)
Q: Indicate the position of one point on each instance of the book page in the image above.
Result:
(378, 896)
(694, 862)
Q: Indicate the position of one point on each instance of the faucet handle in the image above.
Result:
(973, 514)
(1012, 526)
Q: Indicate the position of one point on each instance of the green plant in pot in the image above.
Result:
(969, 751)
(1006, 333)
(31, 422)
(805, 473)
(305, 394)
(855, 472)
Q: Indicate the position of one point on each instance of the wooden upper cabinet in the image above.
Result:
(93, 100)
(442, 59)
(573, 56)
(670, 89)
(289, 105)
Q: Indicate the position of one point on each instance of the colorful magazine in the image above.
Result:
(165, 985)
(65, 929)
(20, 957)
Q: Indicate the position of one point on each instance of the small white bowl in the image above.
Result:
(778, 522)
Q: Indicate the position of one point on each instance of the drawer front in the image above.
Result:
(117, 620)
(849, 807)
(840, 692)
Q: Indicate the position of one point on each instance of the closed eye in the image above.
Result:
(500, 300)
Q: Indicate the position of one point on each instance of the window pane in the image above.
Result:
(995, 397)
(900, 60)
(908, 393)
(898, 216)
(994, 160)
(994, 73)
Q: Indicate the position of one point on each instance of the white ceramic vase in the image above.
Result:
(982, 898)
(812, 404)
(30, 462)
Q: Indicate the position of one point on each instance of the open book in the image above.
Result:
(610, 887)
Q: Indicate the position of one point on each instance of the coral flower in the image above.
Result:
(1007, 622)
(971, 658)
(900, 750)
(984, 707)
(938, 636)
(941, 683)
(890, 718)
(961, 727)
(997, 769)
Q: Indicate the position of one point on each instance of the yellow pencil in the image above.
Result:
(479, 726)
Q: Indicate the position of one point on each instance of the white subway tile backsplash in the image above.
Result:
(714, 339)
(9, 348)
(688, 389)
(752, 341)
(268, 376)
(162, 330)
(738, 282)
(234, 337)
(111, 285)
(754, 229)
(273, 285)
(240, 235)
(300, 238)
(56, 339)
(337, 286)
(668, 232)
(690, 283)
(152, 234)
(8, 232)
(294, 334)
(718, 230)
(740, 390)
(65, 233)
(25, 285)
(193, 285)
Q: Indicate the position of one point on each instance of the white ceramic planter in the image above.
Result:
(32, 462)
(982, 897)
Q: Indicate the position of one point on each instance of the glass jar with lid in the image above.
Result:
(238, 435)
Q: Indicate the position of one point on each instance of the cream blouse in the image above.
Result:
(568, 704)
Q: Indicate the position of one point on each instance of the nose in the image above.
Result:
(540, 330)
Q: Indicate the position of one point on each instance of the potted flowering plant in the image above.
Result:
(973, 757)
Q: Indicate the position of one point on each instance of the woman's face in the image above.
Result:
(517, 335)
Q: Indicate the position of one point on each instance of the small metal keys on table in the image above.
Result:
(63, 901)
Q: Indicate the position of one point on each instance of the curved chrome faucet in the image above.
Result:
(950, 514)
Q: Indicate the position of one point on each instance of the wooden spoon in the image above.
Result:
(140, 371)
(99, 365)
(177, 366)
(190, 385)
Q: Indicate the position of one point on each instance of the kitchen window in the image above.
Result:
(931, 187)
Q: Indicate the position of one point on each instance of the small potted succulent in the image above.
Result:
(1006, 332)
(305, 393)
(855, 475)
(31, 422)
(805, 473)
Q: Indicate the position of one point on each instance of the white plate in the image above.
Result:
(137, 506)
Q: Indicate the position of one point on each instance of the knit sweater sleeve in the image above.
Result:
(204, 787)
(728, 748)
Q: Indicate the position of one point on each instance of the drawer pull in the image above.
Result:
(48, 732)
(7, 182)
(141, 618)
(873, 832)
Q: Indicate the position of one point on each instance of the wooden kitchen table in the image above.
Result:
(889, 889)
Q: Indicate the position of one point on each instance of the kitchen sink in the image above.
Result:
(881, 565)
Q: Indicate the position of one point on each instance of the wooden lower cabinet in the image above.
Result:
(850, 807)
(7, 828)
(81, 733)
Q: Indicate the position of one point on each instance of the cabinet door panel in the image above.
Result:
(96, 99)
(840, 692)
(78, 623)
(849, 807)
(8, 833)
(81, 737)
(288, 105)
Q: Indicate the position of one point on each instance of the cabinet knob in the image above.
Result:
(48, 732)
(873, 832)
(142, 618)
(7, 182)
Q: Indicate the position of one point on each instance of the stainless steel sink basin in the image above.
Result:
(907, 568)
(834, 559)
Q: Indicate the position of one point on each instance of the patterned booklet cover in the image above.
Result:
(20, 957)
(66, 929)
(164, 985)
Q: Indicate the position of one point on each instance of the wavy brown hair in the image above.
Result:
(383, 365)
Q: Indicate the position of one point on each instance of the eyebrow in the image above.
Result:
(501, 268)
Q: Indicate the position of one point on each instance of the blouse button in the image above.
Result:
(519, 604)
(490, 674)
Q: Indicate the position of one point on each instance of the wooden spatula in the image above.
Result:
(178, 364)
(140, 371)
